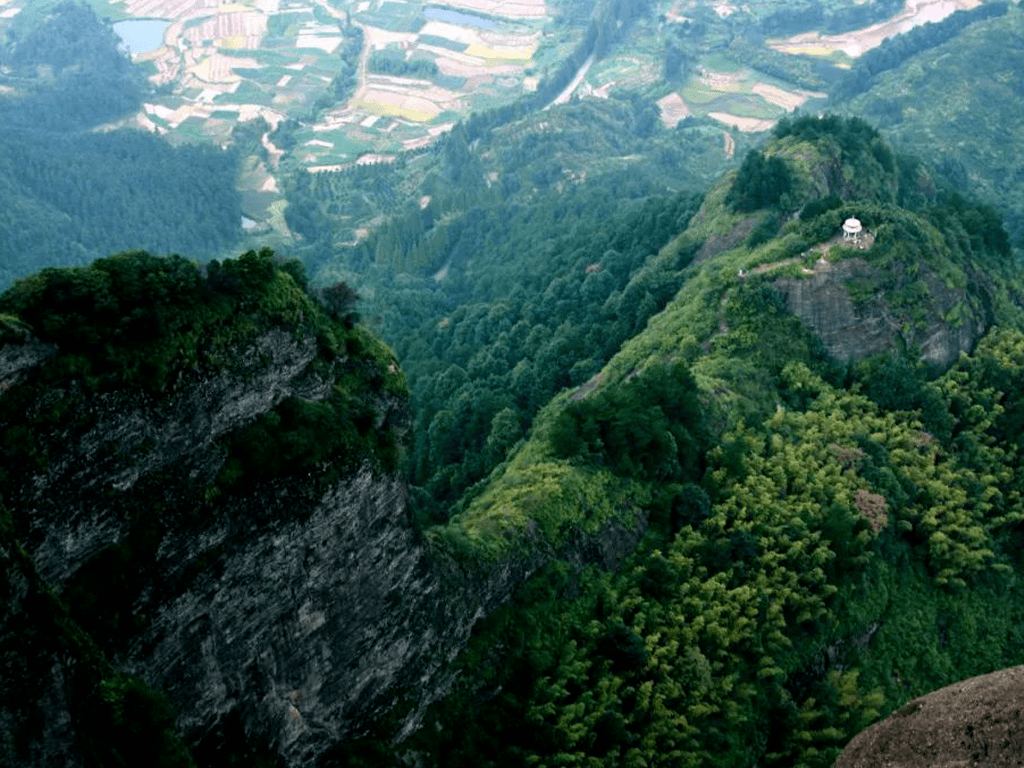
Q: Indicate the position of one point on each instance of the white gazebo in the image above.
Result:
(852, 230)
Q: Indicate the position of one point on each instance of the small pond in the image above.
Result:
(141, 35)
(457, 17)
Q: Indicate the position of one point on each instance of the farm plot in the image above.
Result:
(392, 16)
(788, 100)
(505, 9)
(271, 58)
(408, 100)
(487, 63)
(232, 27)
(624, 71)
(673, 109)
(472, 50)
(736, 96)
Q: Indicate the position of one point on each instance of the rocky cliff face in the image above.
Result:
(854, 330)
(96, 476)
(288, 612)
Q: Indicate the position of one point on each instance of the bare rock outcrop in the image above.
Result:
(976, 723)
(853, 330)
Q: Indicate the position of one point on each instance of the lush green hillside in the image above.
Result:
(828, 539)
(838, 561)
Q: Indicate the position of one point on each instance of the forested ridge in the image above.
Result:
(827, 540)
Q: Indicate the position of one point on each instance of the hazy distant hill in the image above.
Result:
(958, 107)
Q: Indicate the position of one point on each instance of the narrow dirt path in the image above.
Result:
(773, 265)
(730, 145)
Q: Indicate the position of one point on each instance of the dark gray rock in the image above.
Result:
(852, 331)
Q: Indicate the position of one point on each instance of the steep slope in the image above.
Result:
(815, 513)
(205, 549)
(188, 462)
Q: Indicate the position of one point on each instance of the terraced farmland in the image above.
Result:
(221, 64)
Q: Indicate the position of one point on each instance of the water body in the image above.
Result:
(141, 35)
(456, 17)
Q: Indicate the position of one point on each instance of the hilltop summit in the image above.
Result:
(923, 280)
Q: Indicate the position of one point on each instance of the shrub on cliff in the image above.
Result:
(339, 300)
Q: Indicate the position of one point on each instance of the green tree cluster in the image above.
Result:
(344, 84)
(649, 428)
(72, 198)
(828, 17)
(392, 61)
(761, 182)
(848, 542)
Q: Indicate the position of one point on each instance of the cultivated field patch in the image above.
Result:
(673, 109)
(738, 96)
(635, 70)
(788, 100)
(225, 63)
(746, 124)
(508, 9)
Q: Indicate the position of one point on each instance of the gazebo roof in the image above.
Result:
(851, 225)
